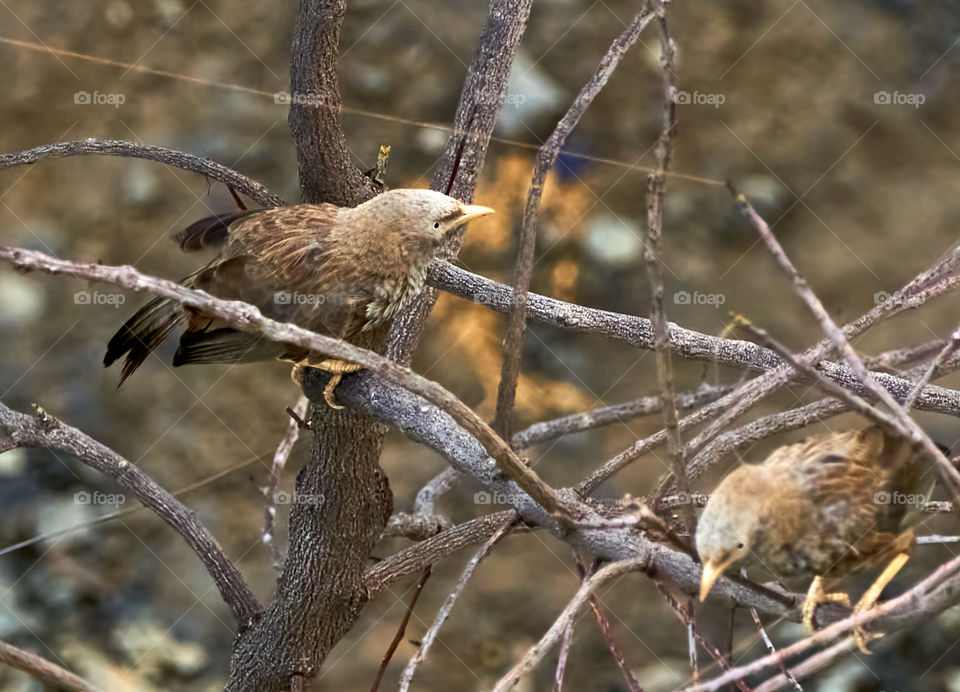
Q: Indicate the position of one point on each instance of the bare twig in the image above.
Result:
(401, 630)
(615, 413)
(280, 457)
(434, 549)
(546, 158)
(562, 658)
(448, 604)
(652, 252)
(698, 636)
(43, 430)
(948, 350)
(436, 487)
(169, 157)
(809, 665)
(569, 614)
(772, 649)
(606, 631)
(42, 670)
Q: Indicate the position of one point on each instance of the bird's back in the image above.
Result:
(860, 485)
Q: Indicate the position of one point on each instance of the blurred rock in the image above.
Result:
(614, 240)
(22, 299)
(530, 94)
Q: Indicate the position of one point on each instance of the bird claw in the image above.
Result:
(817, 596)
(338, 368)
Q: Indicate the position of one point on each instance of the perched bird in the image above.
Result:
(334, 270)
(827, 506)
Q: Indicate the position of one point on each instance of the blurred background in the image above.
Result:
(837, 119)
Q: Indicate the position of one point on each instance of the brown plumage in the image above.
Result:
(333, 270)
(824, 507)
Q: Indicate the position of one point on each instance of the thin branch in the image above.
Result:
(43, 430)
(565, 646)
(948, 350)
(568, 615)
(246, 317)
(438, 486)
(170, 157)
(42, 670)
(280, 457)
(615, 413)
(415, 558)
(401, 630)
(523, 268)
(809, 665)
(448, 604)
(652, 253)
(484, 90)
(688, 622)
(787, 675)
(606, 631)
(690, 344)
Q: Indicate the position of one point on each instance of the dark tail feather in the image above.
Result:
(142, 333)
(225, 345)
(211, 231)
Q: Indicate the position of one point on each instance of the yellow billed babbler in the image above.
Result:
(827, 506)
(332, 270)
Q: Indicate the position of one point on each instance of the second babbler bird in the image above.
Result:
(333, 270)
(825, 507)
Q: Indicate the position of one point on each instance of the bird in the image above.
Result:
(337, 271)
(825, 507)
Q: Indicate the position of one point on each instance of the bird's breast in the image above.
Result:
(391, 294)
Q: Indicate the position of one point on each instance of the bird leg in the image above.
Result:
(870, 597)
(338, 368)
(815, 596)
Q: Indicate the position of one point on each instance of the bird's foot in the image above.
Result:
(816, 596)
(338, 368)
(872, 595)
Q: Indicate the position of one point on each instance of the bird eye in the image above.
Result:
(739, 546)
(436, 225)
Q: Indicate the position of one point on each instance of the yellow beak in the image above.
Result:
(473, 211)
(711, 572)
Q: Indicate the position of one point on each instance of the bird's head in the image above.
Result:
(731, 525)
(424, 215)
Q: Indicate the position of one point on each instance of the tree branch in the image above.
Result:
(43, 430)
(170, 157)
(42, 670)
(523, 268)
